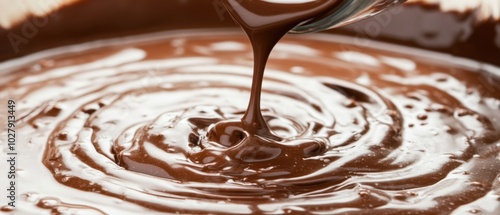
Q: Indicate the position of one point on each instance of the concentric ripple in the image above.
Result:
(131, 128)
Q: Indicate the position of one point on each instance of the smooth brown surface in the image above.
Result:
(265, 23)
(416, 25)
(161, 126)
(426, 26)
(126, 126)
(89, 20)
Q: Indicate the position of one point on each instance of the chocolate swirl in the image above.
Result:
(130, 128)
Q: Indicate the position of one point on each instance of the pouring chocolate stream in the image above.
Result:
(265, 23)
(249, 143)
(159, 127)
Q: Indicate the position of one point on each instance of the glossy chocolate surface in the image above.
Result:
(126, 126)
(161, 126)
(413, 24)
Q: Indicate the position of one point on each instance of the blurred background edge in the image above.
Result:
(464, 33)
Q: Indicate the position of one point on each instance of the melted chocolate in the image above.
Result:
(127, 127)
(265, 23)
(248, 143)
(414, 24)
(159, 126)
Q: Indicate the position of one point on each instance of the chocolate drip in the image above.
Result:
(265, 23)
(161, 126)
(364, 130)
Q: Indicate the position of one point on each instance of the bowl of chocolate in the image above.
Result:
(163, 107)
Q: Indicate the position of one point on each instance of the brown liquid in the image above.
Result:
(265, 23)
(249, 141)
(160, 126)
(441, 31)
(404, 133)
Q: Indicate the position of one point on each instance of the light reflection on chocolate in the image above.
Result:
(406, 132)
